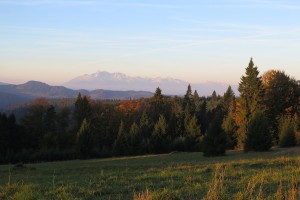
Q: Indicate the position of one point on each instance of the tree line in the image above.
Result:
(265, 114)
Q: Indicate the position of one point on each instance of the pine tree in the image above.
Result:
(230, 128)
(158, 94)
(196, 96)
(157, 105)
(188, 95)
(258, 136)
(214, 96)
(85, 139)
(82, 109)
(251, 100)
(159, 136)
(121, 146)
(145, 131)
(229, 100)
(193, 138)
(215, 138)
(135, 139)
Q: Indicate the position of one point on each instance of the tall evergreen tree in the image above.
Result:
(214, 96)
(215, 138)
(258, 135)
(85, 139)
(229, 100)
(188, 95)
(196, 96)
(135, 139)
(159, 141)
(230, 128)
(145, 131)
(82, 109)
(120, 146)
(158, 94)
(193, 136)
(251, 99)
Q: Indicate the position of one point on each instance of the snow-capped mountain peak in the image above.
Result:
(120, 81)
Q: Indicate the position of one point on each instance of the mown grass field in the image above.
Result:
(238, 175)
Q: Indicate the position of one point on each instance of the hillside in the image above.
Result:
(264, 175)
(12, 94)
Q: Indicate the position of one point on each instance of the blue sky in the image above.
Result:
(197, 41)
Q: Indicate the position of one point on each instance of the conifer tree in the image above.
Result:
(215, 138)
(188, 95)
(258, 136)
(145, 131)
(196, 96)
(251, 100)
(85, 139)
(82, 109)
(120, 146)
(159, 136)
(135, 139)
(194, 138)
(230, 128)
(214, 96)
(229, 100)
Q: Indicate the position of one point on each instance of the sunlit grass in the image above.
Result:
(238, 175)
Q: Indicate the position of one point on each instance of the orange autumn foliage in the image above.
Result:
(129, 105)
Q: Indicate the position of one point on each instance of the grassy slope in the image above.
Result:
(238, 175)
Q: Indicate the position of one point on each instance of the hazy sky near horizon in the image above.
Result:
(197, 41)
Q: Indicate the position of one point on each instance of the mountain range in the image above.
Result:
(12, 94)
(119, 81)
(103, 85)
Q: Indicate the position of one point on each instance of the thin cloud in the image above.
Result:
(89, 3)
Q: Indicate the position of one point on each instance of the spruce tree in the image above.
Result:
(121, 144)
(82, 109)
(215, 138)
(159, 136)
(230, 128)
(196, 96)
(145, 131)
(229, 100)
(258, 136)
(85, 139)
(251, 99)
(188, 95)
(135, 139)
(193, 138)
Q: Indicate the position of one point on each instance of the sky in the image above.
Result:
(197, 41)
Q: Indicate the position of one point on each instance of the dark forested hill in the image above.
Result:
(12, 94)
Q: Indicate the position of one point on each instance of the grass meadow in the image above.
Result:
(266, 175)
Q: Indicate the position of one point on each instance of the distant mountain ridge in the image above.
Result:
(12, 94)
(120, 81)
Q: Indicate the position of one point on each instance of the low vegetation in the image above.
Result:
(178, 175)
